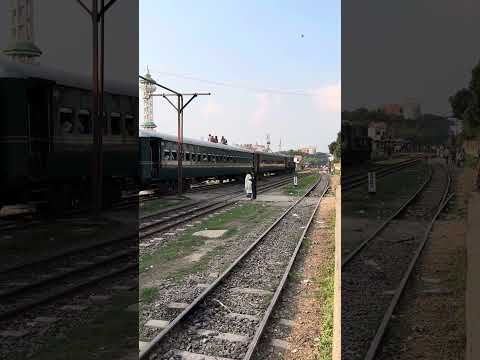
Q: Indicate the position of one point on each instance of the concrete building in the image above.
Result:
(21, 46)
(310, 150)
(411, 109)
(455, 126)
(392, 109)
(377, 130)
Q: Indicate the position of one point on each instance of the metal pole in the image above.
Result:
(179, 145)
(101, 107)
(96, 144)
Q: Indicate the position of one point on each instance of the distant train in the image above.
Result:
(356, 145)
(201, 161)
(46, 137)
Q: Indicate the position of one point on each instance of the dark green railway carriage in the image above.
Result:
(201, 160)
(46, 138)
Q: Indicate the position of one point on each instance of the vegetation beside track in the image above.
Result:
(242, 216)
(304, 183)
(103, 334)
(390, 190)
(151, 207)
(325, 293)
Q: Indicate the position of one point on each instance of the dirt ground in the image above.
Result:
(310, 310)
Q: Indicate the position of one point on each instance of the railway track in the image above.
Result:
(227, 319)
(173, 217)
(375, 273)
(27, 286)
(356, 180)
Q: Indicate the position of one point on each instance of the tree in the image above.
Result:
(460, 102)
(335, 148)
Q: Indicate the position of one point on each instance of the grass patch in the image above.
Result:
(390, 190)
(325, 294)
(151, 207)
(97, 336)
(187, 243)
(148, 294)
(304, 183)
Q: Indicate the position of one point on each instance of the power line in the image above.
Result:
(238, 86)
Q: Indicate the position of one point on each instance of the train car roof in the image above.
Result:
(11, 69)
(145, 133)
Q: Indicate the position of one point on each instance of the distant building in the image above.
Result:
(411, 109)
(377, 130)
(147, 95)
(310, 150)
(393, 109)
(455, 126)
(253, 147)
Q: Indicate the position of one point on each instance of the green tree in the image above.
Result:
(335, 148)
(460, 102)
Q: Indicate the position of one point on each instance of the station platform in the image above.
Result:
(473, 279)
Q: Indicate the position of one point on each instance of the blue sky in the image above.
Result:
(247, 44)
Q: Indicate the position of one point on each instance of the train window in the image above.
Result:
(105, 123)
(174, 155)
(194, 157)
(205, 157)
(84, 122)
(66, 120)
(209, 158)
(187, 156)
(166, 155)
(130, 125)
(116, 123)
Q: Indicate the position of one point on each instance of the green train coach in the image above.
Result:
(201, 161)
(46, 138)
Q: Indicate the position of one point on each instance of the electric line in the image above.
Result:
(237, 86)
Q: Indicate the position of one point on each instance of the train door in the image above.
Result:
(154, 151)
(38, 125)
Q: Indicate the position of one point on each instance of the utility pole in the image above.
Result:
(97, 16)
(179, 108)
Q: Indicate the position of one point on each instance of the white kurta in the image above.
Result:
(248, 184)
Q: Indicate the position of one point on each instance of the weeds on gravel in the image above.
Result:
(303, 184)
(148, 294)
(325, 293)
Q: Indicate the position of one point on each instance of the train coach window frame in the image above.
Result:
(205, 157)
(116, 123)
(187, 156)
(130, 125)
(166, 154)
(65, 115)
(84, 123)
(173, 155)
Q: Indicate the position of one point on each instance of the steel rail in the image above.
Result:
(360, 180)
(151, 346)
(276, 296)
(196, 212)
(356, 250)
(375, 343)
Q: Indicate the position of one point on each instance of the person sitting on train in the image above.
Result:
(223, 141)
(209, 138)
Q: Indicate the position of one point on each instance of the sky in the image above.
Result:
(279, 83)
(392, 50)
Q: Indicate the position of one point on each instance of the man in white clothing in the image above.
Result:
(248, 185)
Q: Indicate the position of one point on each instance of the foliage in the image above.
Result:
(335, 148)
(465, 105)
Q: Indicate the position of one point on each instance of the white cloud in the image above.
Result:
(328, 98)
(264, 102)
